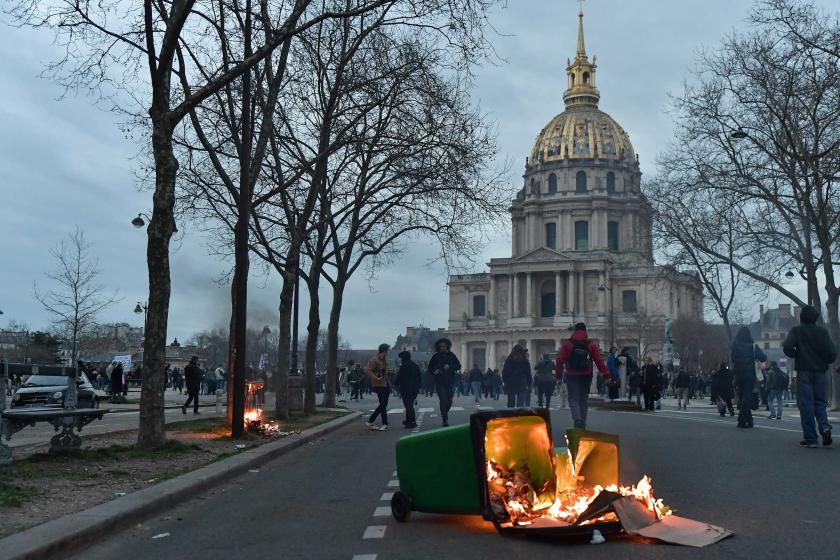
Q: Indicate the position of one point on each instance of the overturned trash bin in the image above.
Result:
(504, 467)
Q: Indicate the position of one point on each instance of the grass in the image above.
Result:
(117, 453)
(13, 495)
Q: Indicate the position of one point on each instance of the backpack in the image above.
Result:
(579, 359)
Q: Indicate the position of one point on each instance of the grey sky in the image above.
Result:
(66, 163)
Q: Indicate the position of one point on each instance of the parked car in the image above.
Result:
(49, 391)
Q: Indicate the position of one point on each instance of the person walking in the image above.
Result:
(777, 383)
(377, 374)
(476, 379)
(722, 392)
(745, 353)
(810, 345)
(681, 385)
(192, 377)
(651, 383)
(545, 381)
(408, 380)
(614, 385)
(515, 374)
(563, 390)
(116, 382)
(443, 367)
(577, 355)
(355, 379)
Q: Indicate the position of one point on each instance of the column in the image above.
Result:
(529, 292)
(602, 295)
(491, 298)
(557, 293)
(490, 357)
(510, 296)
(570, 301)
(581, 294)
(466, 359)
(515, 297)
(532, 352)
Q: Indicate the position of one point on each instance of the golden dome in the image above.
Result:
(582, 133)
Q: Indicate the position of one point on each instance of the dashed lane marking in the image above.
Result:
(456, 409)
(374, 532)
(710, 421)
(393, 484)
(364, 557)
(386, 496)
(382, 511)
(425, 410)
(396, 411)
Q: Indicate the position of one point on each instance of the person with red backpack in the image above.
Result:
(577, 355)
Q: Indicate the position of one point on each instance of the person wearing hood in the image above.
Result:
(476, 379)
(545, 381)
(516, 375)
(722, 390)
(577, 355)
(745, 354)
(443, 366)
(408, 381)
(192, 375)
(810, 345)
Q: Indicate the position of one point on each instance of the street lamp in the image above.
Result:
(739, 134)
(142, 308)
(605, 289)
(789, 274)
(139, 222)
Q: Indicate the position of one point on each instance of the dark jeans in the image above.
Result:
(382, 393)
(408, 402)
(356, 391)
(649, 394)
(811, 399)
(192, 397)
(729, 406)
(745, 397)
(578, 386)
(544, 391)
(517, 399)
(445, 392)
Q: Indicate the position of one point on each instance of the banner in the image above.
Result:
(125, 361)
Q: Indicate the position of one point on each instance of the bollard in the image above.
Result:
(219, 400)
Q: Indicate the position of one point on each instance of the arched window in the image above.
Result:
(580, 182)
(610, 182)
(586, 78)
(552, 183)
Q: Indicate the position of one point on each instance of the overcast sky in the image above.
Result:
(65, 163)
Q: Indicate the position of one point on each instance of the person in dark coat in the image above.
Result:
(116, 382)
(192, 377)
(443, 366)
(810, 345)
(516, 375)
(651, 383)
(545, 381)
(722, 392)
(476, 379)
(408, 380)
(745, 353)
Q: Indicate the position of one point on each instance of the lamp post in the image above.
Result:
(142, 308)
(141, 219)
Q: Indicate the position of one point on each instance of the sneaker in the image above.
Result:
(808, 444)
(445, 424)
(196, 412)
(778, 417)
(183, 410)
(370, 425)
(772, 417)
(826, 437)
(383, 427)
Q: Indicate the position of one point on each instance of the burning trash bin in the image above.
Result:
(504, 467)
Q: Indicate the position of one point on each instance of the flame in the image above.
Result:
(569, 506)
(253, 415)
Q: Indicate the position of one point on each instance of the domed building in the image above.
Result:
(581, 246)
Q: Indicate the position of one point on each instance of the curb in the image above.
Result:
(72, 533)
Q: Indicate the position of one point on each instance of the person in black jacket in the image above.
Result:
(443, 366)
(681, 384)
(476, 379)
(745, 353)
(192, 376)
(722, 392)
(516, 375)
(813, 351)
(408, 381)
(777, 383)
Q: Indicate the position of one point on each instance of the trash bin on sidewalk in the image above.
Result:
(446, 470)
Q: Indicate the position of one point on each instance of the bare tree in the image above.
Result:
(75, 297)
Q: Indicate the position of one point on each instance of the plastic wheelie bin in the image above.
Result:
(445, 470)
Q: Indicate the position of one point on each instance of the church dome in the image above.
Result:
(582, 132)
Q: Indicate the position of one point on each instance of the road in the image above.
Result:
(323, 500)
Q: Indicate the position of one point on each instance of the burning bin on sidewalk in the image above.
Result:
(504, 467)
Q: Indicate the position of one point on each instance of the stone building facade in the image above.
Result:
(581, 246)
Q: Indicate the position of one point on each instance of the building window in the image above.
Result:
(581, 236)
(766, 345)
(610, 182)
(580, 182)
(552, 183)
(548, 305)
(551, 235)
(628, 301)
(478, 306)
(612, 236)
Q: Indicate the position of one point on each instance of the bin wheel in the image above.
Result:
(401, 506)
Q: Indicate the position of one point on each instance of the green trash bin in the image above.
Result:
(445, 470)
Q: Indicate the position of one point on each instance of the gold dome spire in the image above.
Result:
(581, 91)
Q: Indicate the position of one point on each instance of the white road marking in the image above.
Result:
(382, 511)
(710, 421)
(393, 484)
(374, 532)
(425, 410)
(456, 409)
(394, 473)
(364, 557)
(386, 496)
(396, 411)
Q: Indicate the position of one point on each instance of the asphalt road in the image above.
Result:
(319, 502)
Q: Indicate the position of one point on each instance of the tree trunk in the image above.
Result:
(832, 303)
(152, 428)
(231, 359)
(312, 336)
(332, 344)
(281, 383)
